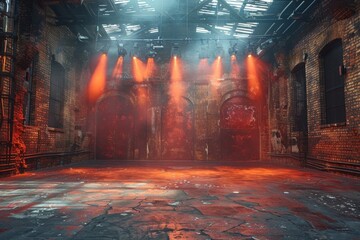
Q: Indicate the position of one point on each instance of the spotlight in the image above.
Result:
(121, 50)
(151, 54)
(264, 46)
(233, 50)
(175, 50)
(219, 52)
(105, 49)
(250, 51)
(136, 51)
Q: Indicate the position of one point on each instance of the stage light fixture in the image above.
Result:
(121, 50)
(219, 52)
(233, 50)
(151, 54)
(105, 48)
(175, 50)
(136, 51)
(250, 52)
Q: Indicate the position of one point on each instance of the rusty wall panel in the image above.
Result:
(153, 147)
(177, 131)
(114, 129)
(239, 130)
(201, 147)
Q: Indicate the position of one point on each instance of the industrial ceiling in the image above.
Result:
(253, 21)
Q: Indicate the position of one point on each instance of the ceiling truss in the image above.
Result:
(238, 19)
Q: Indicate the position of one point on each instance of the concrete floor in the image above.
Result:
(124, 201)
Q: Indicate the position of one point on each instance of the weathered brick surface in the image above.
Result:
(46, 41)
(338, 143)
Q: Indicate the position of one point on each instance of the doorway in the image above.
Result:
(177, 132)
(239, 130)
(114, 129)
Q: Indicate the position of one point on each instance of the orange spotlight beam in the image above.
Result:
(117, 72)
(235, 68)
(150, 68)
(203, 68)
(97, 82)
(176, 86)
(217, 70)
(253, 75)
(138, 69)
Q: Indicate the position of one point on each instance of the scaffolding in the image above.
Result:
(7, 83)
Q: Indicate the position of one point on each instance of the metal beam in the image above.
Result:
(113, 5)
(154, 18)
(136, 33)
(232, 11)
(70, 10)
(241, 12)
(198, 7)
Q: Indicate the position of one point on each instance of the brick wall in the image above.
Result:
(206, 98)
(331, 143)
(47, 42)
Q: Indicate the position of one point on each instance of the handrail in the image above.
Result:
(48, 154)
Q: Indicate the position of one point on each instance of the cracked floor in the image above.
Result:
(168, 201)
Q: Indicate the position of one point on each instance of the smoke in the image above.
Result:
(97, 82)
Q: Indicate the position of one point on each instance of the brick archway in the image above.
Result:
(239, 129)
(177, 133)
(114, 128)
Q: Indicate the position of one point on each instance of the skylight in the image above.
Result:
(240, 30)
(213, 11)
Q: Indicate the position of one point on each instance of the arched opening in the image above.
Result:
(57, 95)
(239, 133)
(332, 74)
(177, 132)
(299, 110)
(114, 128)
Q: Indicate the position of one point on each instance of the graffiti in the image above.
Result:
(294, 145)
(239, 116)
(239, 130)
(277, 141)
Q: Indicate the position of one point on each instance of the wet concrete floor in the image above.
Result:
(177, 201)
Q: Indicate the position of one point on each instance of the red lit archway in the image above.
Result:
(177, 133)
(239, 130)
(114, 128)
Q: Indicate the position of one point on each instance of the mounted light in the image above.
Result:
(250, 51)
(219, 51)
(175, 50)
(136, 51)
(151, 54)
(233, 50)
(105, 48)
(121, 50)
